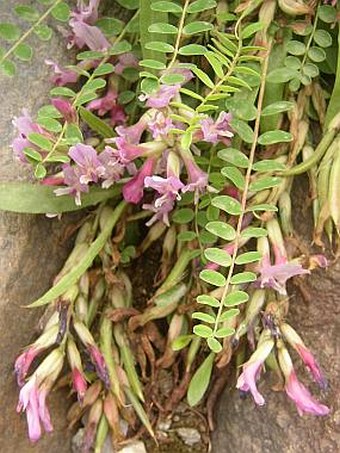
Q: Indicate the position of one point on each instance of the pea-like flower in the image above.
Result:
(162, 97)
(134, 189)
(216, 131)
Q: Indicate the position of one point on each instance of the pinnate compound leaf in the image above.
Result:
(222, 230)
(268, 165)
(61, 12)
(192, 49)
(163, 28)
(197, 27)
(277, 107)
(227, 204)
(235, 298)
(265, 183)
(166, 7)
(27, 12)
(254, 232)
(228, 314)
(248, 257)
(212, 277)
(271, 137)
(205, 317)
(9, 32)
(202, 330)
(243, 277)
(214, 345)
(8, 68)
(234, 156)
(205, 299)
(243, 130)
(235, 176)
(218, 256)
(224, 332)
(44, 32)
(23, 52)
(201, 5)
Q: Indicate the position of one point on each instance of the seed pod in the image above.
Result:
(285, 210)
(334, 187)
(295, 7)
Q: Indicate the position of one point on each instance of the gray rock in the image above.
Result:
(190, 436)
(32, 250)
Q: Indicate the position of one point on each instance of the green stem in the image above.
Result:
(180, 30)
(334, 103)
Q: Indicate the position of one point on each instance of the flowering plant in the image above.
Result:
(186, 125)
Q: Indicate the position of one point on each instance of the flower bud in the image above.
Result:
(91, 426)
(285, 209)
(276, 239)
(51, 366)
(78, 378)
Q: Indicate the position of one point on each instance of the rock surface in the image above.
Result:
(32, 250)
(276, 427)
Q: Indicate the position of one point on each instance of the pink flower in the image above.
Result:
(197, 178)
(251, 369)
(127, 151)
(104, 104)
(79, 383)
(25, 126)
(117, 115)
(29, 402)
(132, 134)
(126, 60)
(72, 177)
(88, 163)
(307, 357)
(168, 189)
(134, 189)
(23, 363)
(219, 130)
(86, 13)
(65, 108)
(302, 397)
(162, 97)
(62, 76)
(160, 125)
(113, 168)
(89, 35)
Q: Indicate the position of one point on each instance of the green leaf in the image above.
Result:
(235, 176)
(243, 130)
(268, 165)
(310, 69)
(27, 12)
(161, 28)
(73, 134)
(205, 317)
(81, 267)
(153, 64)
(293, 63)
(192, 49)
(217, 256)
(49, 124)
(265, 183)
(125, 97)
(229, 314)
(120, 47)
(316, 54)
(243, 277)
(62, 91)
(296, 47)
(212, 277)
(49, 111)
(86, 97)
(201, 5)
(33, 154)
(95, 123)
(234, 156)
(41, 141)
(200, 381)
(208, 300)
(202, 331)
(93, 85)
(254, 232)
(9, 32)
(277, 107)
(44, 32)
(214, 345)
(322, 38)
(8, 68)
(235, 298)
(103, 69)
(227, 204)
(215, 64)
(197, 27)
(28, 198)
(262, 207)
(24, 52)
(203, 77)
(181, 342)
(251, 29)
(183, 216)
(90, 55)
(61, 12)
(327, 13)
(172, 79)
(271, 137)
(248, 257)
(282, 75)
(110, 26)
(40, 171)
(186, 236)
(225, 332)
(222, 230)
(160, 46)
(129, 4)
(166, 7)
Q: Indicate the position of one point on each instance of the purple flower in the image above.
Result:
(168, 189)
(29, 402)
(132, 134)
(134, 189)
(117, 115)
(161, 97)
(89, 35)
(87, 161)
(62, 76)
(23, 363)
(113, 169)
(197, 178)
(79, 383)
(126, 60)
(25, 126)
(72, 180)
(87, 13)
(251, 369)
(275, 276)
(66, 109)
(219, 130)
(160, 125)
(105, 103)
(302, 398)
(127, 151)
(307, 357)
